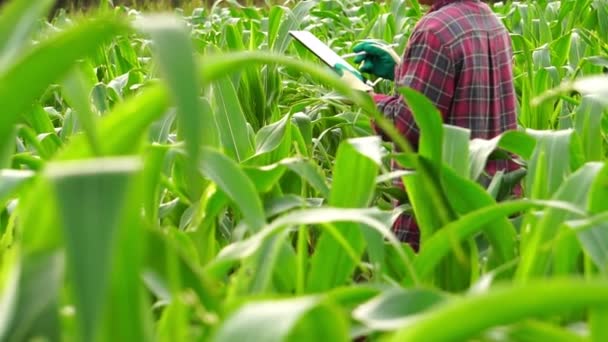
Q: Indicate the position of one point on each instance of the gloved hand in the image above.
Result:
(340, 69)
(380, 59)
(352, 77)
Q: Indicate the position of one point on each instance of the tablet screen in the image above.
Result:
(323, 52)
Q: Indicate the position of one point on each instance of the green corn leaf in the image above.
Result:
(235, 183)
(329, 264)
(122, 129)
(26, 80)
(173, 49)
(39, 223)
(597, 321)
(556, 154)
(12, 180)
(602, 17)
(301, 319)
(575, 190)
(455, 150)
(18, 20)
(153, 163)
(509, 304)
(594, 238)
(126, 314)
(589, 85)
(8, 148)
(75, 87)
(98, 189)
(592, 233)
(466, 196)
(293, 21)
(372, 218)
(274, 22)
(158, 250)
(459, 230)
(423, 186)
(217, 66)
(588, 126)
(269, 137)
(265, 260)
(530, 331)
(305, 126)
(159, 130)
(350, 297)
(512, 141)
(390, 310)
(311, 174)
(429, 122)
(278, 205)
(231, 121)
(37, 298)
(10, 272)
(265, 177)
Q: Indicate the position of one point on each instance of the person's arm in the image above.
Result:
(427, 68)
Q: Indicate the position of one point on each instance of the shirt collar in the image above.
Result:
(440, 3)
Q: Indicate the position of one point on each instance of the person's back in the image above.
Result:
(460, 57)
(480, 48)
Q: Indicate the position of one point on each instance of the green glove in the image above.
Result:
(351, 76)
(340, 68)
(380, 59)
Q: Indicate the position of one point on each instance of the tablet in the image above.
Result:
(329, 57)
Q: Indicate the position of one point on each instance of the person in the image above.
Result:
(459, 56)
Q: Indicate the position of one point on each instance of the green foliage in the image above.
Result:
(200, 177)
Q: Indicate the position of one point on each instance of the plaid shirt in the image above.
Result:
(460, 57)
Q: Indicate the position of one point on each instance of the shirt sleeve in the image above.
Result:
(427, 68)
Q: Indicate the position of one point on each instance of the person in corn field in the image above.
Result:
(459, 56)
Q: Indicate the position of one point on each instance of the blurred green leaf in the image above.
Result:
(456, 149)
(37, 298)
(257, 321)
(466, 196)
(18, 20)
(12, 180)
(529, 331)
(554, 148)
(174, 52)
(390, 310)
(26, 80)
(235, 183)
(536, 253)
(97, 188)
(594, 238)
(293, 21)
(76, 91)
(464, 227)
(588, 126)
(509, 304)
(512, 141)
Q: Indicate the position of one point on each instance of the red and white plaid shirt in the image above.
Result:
(460, 57)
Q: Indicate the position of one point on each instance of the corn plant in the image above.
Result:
(201, 177)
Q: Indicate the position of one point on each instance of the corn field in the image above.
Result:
(200, 176)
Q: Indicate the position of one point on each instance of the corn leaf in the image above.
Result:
(509, 304)
(18, 20)
(90, 232)
(26, 80)
(302, 319)
(330, 266)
